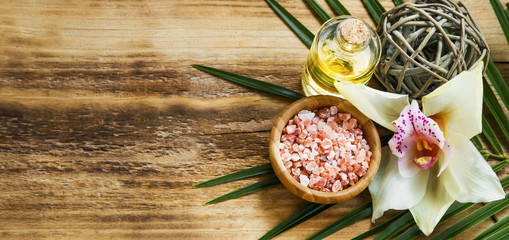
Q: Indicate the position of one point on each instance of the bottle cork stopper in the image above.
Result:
(354, 31)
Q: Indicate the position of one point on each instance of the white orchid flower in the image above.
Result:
(433, 163)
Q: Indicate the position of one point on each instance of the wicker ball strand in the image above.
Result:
(425, 44)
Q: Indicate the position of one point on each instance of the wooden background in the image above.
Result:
(105, 126)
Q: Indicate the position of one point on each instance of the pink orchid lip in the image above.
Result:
(418, 140)
(426, 154)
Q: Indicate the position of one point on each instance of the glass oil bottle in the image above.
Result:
(345, 49)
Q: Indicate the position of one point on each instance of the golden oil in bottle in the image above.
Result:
(344, 49)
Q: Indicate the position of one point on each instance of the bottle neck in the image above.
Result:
(352, 36)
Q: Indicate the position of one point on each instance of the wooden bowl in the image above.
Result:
(316, 103)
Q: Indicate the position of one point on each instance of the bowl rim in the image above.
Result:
(322, 101)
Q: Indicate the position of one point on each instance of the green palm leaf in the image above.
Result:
(398, 2)
(250, 172)
(397, 226)
(453, 210)
(502, 17)
(502, 234)
(271, 181)
(305, 213)
(304, 34)
(474, 218)
(477, 143)
(338, 7)
(507, 10)
(350, 218)
(490, 135)
(379, 227)
(250, 82)
(495, 231)
(495, 108)
(414, 231)
(375, 9)
(499, 166)
(319, 10)
(498, 83)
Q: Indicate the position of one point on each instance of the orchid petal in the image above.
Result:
(425, 126)
(406, 165)
(390, 190)
(469, 178)
(428, 212)
(445, 157)
(404, 131)
(382, 107)
(412, 127)
(458, 106)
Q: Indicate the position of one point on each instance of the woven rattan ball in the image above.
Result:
(425, 44)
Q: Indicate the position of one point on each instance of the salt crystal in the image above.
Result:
(342, 167)
(324, 113)
(312, 128)
(331, 155)
(297, 120)
(324, 149)
(291, 138)
(308, 153)
(356, 167)
(310, 166)
(333, 110)
(362, 172)
(302, 135)
(296, 171)
(321, 183)
(344, 116)
(362, 152)
(353, 177)
(337, 186)
(316, 171)
(365, 165)
(297, 164)
(352, 123)
(314, 146)
(290, 129)
(288, 164)
(283, 138)
(286, 157)
(327, 166)
(326, 144)
(308, 142)
(304, 180)
(295, 157)
(350, 137)
(306, 115)
(321, 124)
(303, 156)
(343, 176)
(301, 148)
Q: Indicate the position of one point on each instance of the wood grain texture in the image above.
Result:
(105, 126)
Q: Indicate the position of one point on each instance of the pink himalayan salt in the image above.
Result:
(325, 150)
